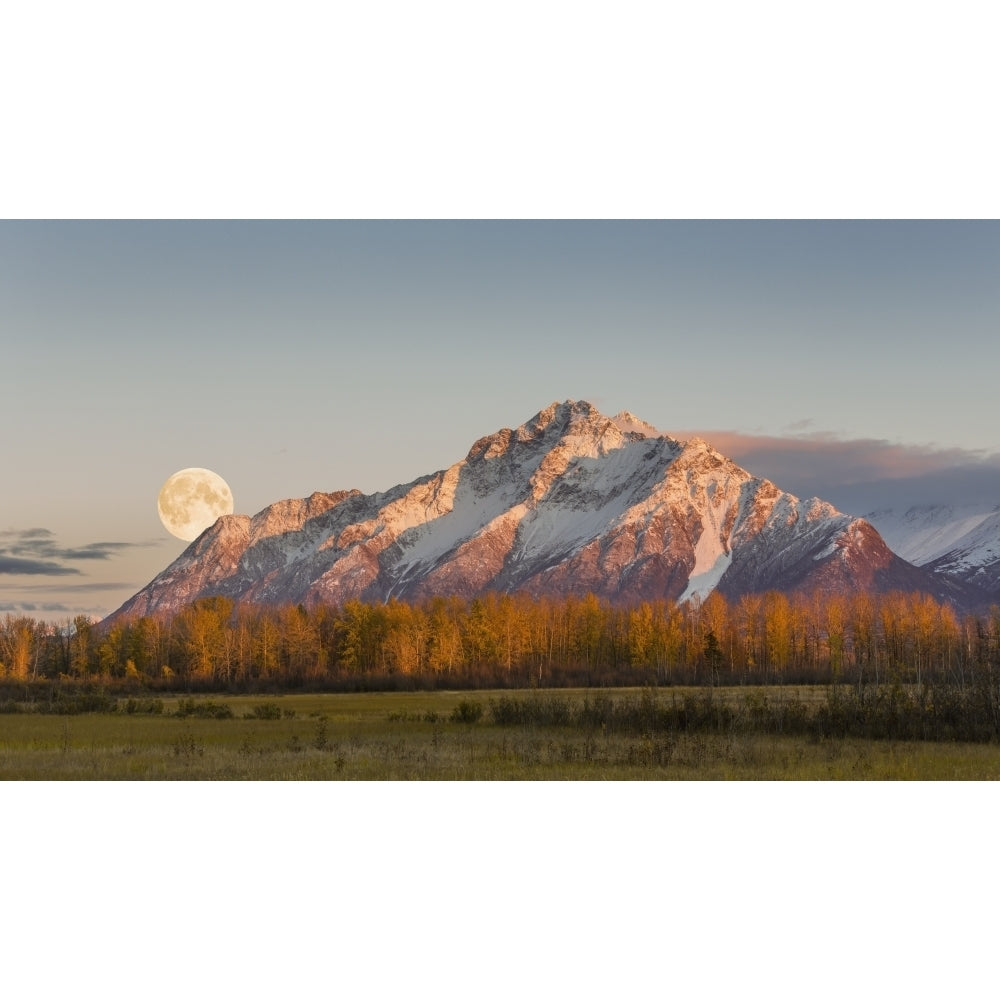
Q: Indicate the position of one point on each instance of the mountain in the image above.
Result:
(569, 502)
(958, 543)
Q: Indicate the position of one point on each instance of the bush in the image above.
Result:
(266, 711)
(544, 711)
(144, 706)
(320, 741)
(203, 709)
(77, 704)
(188, 746)
(467, 712)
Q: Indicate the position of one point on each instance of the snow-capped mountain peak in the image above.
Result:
(629, 423)
(569, 502)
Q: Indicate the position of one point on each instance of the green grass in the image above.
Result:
(403, 736)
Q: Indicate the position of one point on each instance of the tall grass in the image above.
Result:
(889, 731)
(935, 711)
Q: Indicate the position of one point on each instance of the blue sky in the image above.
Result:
(293, 357)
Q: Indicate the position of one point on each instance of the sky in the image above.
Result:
(855, 361)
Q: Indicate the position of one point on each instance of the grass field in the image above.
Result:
(441, 736)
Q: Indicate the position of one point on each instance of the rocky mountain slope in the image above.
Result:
(569, 502)
(957, 543)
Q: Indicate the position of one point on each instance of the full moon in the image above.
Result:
(191, 501)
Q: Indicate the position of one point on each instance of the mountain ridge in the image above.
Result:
(953, 541)
(570, 501)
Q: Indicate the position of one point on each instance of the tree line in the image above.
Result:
(512, 640)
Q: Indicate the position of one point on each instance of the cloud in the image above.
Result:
(29, 607)
(58, 601)
(100, 550)
(34, 551)
(796, 426)
(34, 567)
(861, 475)
(66, 588)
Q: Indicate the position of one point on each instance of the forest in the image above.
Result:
(509, 641)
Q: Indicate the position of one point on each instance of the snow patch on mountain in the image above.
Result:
(712, 557)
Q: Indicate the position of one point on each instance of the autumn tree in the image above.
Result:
(203, 628)
(444, 635)
(303, 652)
(777, 630)
(641, 631)
(358, 634)
(18, 648)
(835, 614)
(715, 622)
(750, 621)
(405, 639)
(111, 650)
(515, 639)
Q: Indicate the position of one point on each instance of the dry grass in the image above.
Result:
(405, 736)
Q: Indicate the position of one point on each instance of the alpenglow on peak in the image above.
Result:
(568, 503)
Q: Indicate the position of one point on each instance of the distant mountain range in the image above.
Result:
(958, 543)
(569, 502)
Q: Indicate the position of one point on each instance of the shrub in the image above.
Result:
(320, 739)
(467, 712)
(188, 746)
(144, 706)
(266, 711)
(76, 704)
(203, 709)
(545, 711)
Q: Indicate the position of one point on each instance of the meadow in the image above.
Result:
(776, 733)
